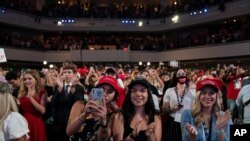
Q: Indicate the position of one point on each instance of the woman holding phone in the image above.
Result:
(86, 118)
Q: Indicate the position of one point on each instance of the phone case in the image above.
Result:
(97, 95)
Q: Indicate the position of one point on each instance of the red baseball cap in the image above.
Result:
(109, 80)
(216, 83)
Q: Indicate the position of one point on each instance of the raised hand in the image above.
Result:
(101, 112)
(90, 107)
(191, 129)
(137, 128)
(59, 81)
(175, 107)
(31, 91)
(222, 119)
(150, 130)
(75, 80)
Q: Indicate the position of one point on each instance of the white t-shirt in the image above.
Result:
(14, 126)
(171, 98)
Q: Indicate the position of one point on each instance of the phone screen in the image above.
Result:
(97, 95)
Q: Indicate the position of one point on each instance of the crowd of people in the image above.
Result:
(123, 103)
(90, 9)
(219, 33)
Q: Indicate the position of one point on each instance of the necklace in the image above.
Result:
(180, 99)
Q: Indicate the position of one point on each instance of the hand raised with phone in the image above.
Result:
(96, 105)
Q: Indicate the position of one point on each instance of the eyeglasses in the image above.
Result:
(181, 74)
(210, 93)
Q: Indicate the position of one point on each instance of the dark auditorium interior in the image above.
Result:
(67, 26)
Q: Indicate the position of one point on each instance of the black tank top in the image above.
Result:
(128, 130)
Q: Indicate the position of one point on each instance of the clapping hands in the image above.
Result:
(150, 130)
(192, 131)
(222, 119)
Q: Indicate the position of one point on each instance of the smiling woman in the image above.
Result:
(206, 121)
(33, 98)
(138, 119)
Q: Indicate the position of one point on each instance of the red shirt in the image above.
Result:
(233, 87)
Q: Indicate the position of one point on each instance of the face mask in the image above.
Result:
(182, 80)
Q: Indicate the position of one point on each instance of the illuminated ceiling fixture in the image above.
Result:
(51, 66)
(175, 19)
(45, 62)
(140, 23)
(59, 23)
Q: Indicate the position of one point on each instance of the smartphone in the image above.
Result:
(97, 95)
(180, 105)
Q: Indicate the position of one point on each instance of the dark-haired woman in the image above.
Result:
(138, 119)
(175, 100)
(86, 118)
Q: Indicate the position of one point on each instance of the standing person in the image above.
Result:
(13, 125)
(47, 84)
(33, 98)
(86, 118)
(243, 102)
(205, 121)
(67, 92)
(138, 119)
(175, 100)
(111, 71)
(234, 84)
(13, 79)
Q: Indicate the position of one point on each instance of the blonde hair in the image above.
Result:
(8, 104)
(197, 109)
(38, 86)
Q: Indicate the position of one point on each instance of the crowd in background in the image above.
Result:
(58, 102)
(111, 10)
(219, 33)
